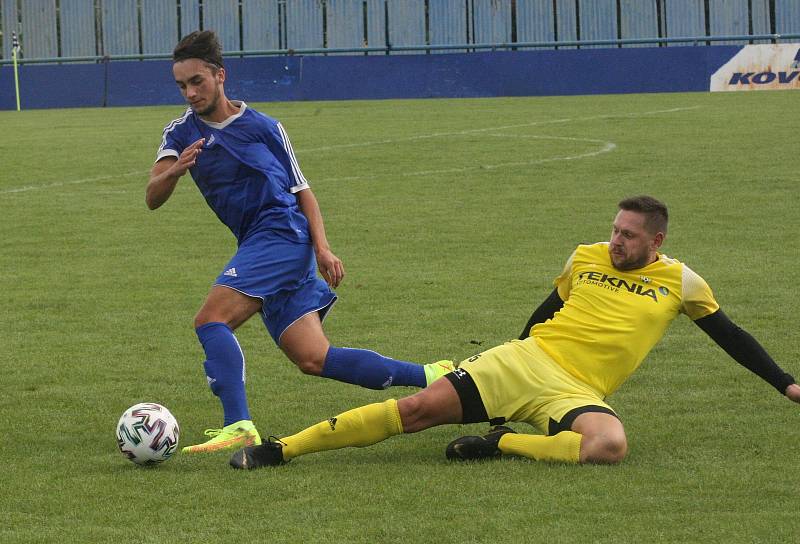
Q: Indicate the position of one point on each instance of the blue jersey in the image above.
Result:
(246, 171)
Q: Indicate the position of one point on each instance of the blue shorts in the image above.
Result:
(283, 274)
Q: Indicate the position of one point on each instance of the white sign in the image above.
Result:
(760, 68)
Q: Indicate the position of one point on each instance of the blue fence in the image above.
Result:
(85, 28)
(480, 74)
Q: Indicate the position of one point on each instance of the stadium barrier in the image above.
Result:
(343, 77)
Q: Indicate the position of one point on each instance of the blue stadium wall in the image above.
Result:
(264, 79)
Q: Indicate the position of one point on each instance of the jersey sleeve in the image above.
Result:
(173, 139)
(563, 283)
(285, 153)
(698, 299)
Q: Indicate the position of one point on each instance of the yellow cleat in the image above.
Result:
(231, 437)
(434, 371)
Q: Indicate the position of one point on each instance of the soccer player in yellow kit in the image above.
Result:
(611, 304)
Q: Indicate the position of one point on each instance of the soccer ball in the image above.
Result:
(147, 434)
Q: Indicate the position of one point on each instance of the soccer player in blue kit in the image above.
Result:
(243, 164)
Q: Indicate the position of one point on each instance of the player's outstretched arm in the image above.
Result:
(545, 311)
(330, 266)
(748, 352)
(165, 174)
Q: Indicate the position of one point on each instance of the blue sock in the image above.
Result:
(371, 370)
(225, 369)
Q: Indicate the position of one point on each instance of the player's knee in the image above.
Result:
(200, 319)
(411, 410)
(413, 413)
(605, 449)
(307, 359)
(309, 365)
(205, 316)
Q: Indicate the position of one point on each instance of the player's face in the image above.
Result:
(200, 85)
(632, 246)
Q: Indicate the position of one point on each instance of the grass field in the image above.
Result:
(452, 217)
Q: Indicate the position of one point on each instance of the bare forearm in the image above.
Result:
(330, 266)
(166, 172)
(316, 227)
(160, 188)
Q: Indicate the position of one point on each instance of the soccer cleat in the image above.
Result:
(236, 435)
(478, 447)
(268, 454)
(434, 371)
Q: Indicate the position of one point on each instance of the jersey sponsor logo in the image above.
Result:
(618, 285)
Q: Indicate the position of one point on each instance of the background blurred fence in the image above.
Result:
(50, 29)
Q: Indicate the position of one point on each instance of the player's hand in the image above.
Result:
(330, 266)
(188, 158)
(793, 392)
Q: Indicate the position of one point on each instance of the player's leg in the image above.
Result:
(585, 434)
(305, 344)
(604, 439)
(223, 311)
(438, 404)
(579, 425)
(296, 302)
(521, 383)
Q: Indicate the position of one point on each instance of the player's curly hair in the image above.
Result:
(200, 44)
(655, 211)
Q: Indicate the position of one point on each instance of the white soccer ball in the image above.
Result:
(147, 433)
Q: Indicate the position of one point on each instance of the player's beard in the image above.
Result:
(630, 262)
(212, 106)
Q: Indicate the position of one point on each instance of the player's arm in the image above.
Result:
(330, 266)
(167, 171)
(748, 352)
(545, 311)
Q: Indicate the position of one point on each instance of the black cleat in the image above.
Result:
(478, 447)
(268, 454)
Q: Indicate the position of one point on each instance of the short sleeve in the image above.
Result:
(173, 139)
(564, 280)
(698, 299)
(297, 182)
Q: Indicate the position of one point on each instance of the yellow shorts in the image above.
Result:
(519, 382)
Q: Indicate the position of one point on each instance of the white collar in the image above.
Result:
(229, 120)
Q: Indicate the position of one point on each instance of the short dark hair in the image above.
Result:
(655, 211)
(200, 44)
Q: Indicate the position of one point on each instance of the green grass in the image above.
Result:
(452, 217)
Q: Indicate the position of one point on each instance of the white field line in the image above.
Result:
(604, 147)
(607, 146)
(505, 127)
(26, 188)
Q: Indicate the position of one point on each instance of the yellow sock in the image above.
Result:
(359, 427)
(564, 447)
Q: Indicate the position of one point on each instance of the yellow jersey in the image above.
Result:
(611, 319)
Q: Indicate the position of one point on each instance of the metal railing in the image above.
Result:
(469, 47)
